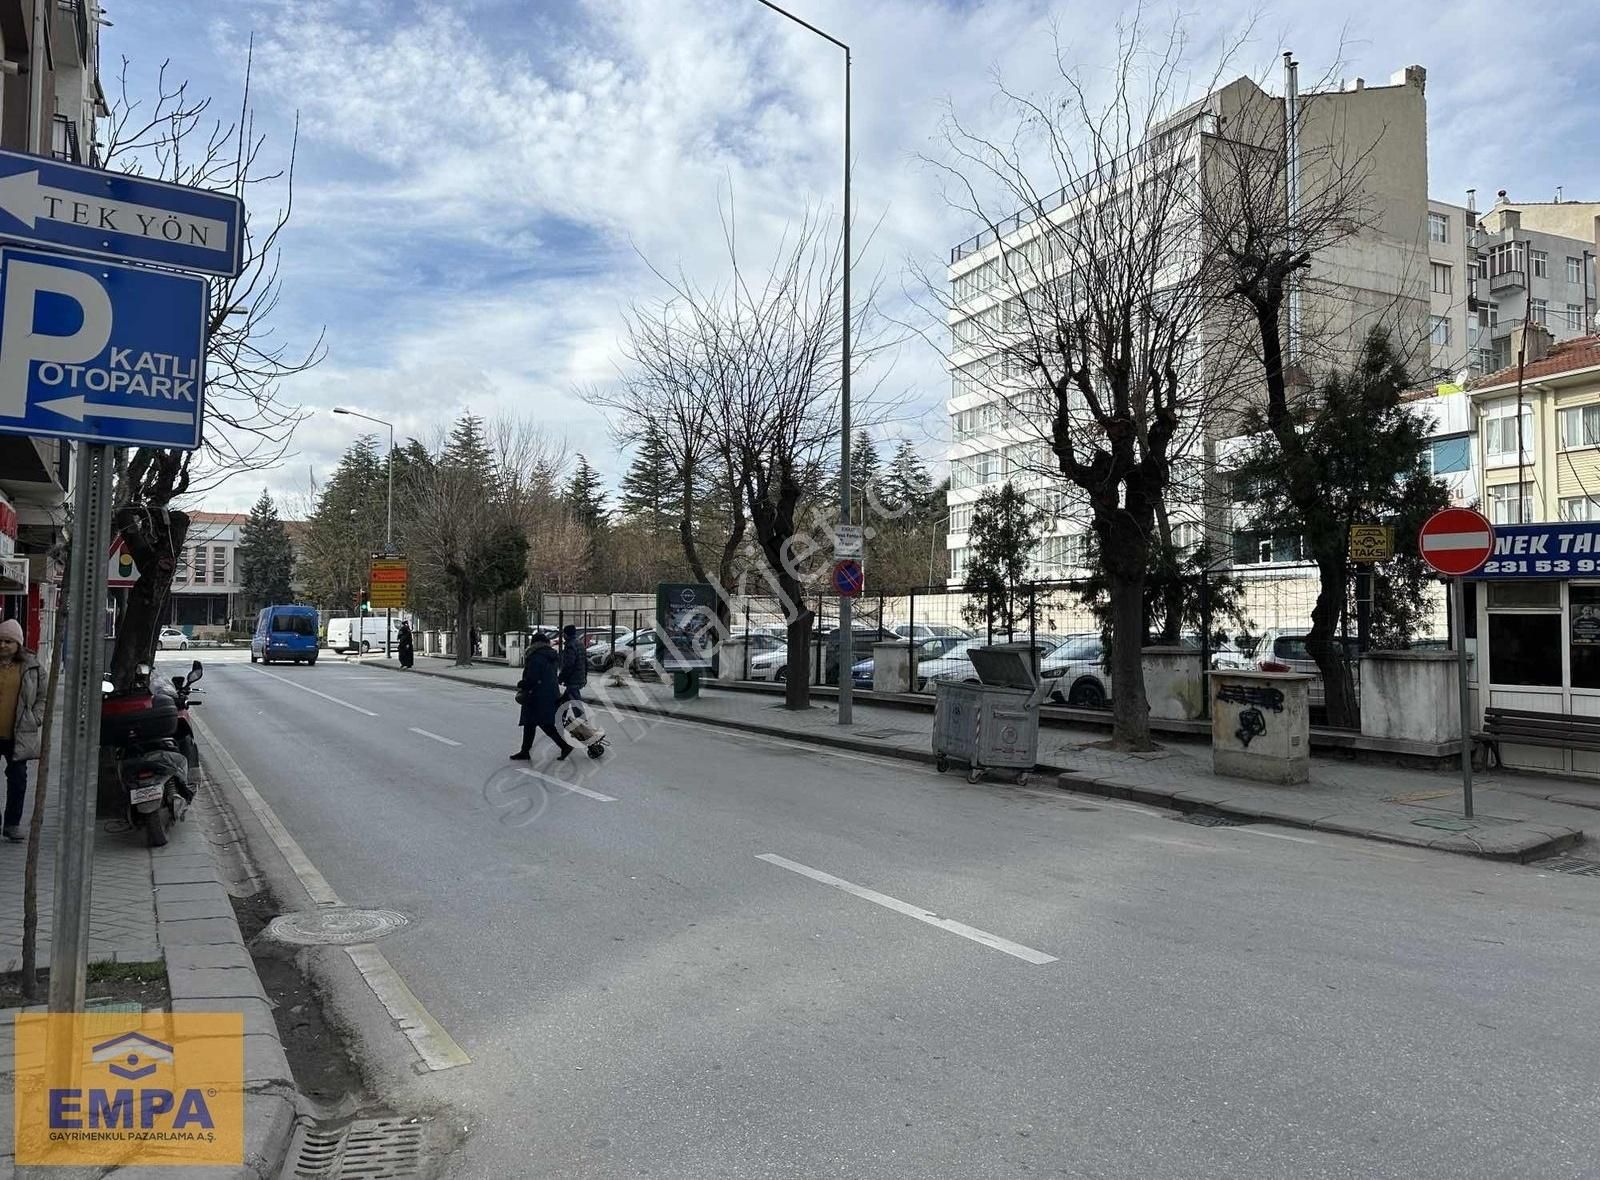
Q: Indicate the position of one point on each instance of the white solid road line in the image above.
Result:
(573, 787)
(1249, 831)
(434, 736)
(993, 941)
(312, 691)
(437, 1048)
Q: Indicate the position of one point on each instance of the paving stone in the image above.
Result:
(191, 891)
(208, 957)
(200, 983)
(200, 932)
(188, 911)
(257, 1014)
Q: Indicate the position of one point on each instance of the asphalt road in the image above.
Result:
(921, 978)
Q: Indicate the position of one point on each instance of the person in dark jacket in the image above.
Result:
(574, 665)
(540, 693)
(407, 651)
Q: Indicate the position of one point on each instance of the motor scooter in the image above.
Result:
(148, 731)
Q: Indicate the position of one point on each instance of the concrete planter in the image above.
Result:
(1174, 683)
(1410, 695)
(891, 667)
(1261, 726)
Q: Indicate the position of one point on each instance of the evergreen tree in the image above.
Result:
(265, 560)
(347, 527)
(866, 473)
(649, 493)
(1005, 528)
(586, 497)
(908, 488)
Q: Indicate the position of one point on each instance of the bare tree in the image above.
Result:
(173, 136)
(1091, 310)
(754, 365)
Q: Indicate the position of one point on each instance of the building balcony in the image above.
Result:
(1511, 280)
(34, 470)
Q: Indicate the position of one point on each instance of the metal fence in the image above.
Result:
(1239, 614)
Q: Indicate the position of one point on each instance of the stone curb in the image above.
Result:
(1556, 839)
(209, 969)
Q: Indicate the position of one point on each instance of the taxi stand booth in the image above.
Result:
(1533, 636)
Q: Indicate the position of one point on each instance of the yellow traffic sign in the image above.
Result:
(1371, 542)
(386, 584)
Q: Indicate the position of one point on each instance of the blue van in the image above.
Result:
(285, 633)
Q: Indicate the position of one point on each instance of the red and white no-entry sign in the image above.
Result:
(1456, 541)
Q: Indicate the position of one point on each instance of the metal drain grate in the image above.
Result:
(368, 1149)
(1575, 865)
(1202, 819)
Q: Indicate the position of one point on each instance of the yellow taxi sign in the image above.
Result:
(1371, 542)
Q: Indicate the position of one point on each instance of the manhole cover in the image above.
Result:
(1445, 824)
(1204, 820)
(374, 1149)
(883, 733)
(339, 926)
(1575, 865)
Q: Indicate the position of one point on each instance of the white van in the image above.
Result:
(363, 635)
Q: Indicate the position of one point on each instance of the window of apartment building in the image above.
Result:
(961, 518)
(1186, 536)
(977, 420)
(199, 563)
(1580, 508)
(219, 564)
(1441, 278)
(1483, 266)
(1450, 455)
(1483, 360)
(1511, 503)
(1438, 227)
(1507, 258)
(1500, 434)
(1541, 263)
(1539, 311)
(1439, 329)
(958, 561)
(1579, 427)
(1574, 269)
(1574, 318)
(1488, 315)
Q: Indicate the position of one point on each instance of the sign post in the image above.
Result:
(849, 549)
(1456, 542)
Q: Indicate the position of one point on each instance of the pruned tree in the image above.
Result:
(1092, 308)
(172, 135)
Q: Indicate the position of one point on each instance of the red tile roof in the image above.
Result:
(218, 517)
(1581, 352)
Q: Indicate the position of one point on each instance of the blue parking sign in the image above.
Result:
(100, 351)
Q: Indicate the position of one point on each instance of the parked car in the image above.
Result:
(931, 631)
(365, 634)
(955, 664)
(1285, 651)
(774, 665)
(1079, 669)
(172, 639)
(629, 650)
(928, 650)
(757, 644)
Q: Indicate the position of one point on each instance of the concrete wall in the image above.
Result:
(1174, 683)
(1410, 696)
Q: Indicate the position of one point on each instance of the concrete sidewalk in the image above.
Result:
(150, 906)
(1518, 817)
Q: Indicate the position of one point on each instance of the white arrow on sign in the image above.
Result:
(23, 197)
(78, 408)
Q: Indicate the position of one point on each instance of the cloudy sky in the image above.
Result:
(481, 183)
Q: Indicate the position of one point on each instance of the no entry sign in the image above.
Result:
(1456, 541)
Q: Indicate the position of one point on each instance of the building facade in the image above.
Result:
(36, 473)
(1527, 274)
(1379, 275)
(205, 587)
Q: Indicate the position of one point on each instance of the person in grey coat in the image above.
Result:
(539, 690)
(574, 665)
(21, 720)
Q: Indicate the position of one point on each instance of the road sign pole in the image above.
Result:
(69, 943)
(1459, 602)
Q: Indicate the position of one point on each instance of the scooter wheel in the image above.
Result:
(155, 828)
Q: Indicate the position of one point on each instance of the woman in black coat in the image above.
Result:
(407, 651)
(574, 665)
(540, 693)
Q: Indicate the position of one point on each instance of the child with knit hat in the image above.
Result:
(21, 720)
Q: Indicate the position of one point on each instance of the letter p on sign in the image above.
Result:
(21, 346)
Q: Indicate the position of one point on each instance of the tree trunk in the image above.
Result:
(797, 691)
(154, 537)
(1325, 647)
(464, 605)
(41, 786)
(1130, 709)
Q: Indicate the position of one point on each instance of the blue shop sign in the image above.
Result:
(1557, 549)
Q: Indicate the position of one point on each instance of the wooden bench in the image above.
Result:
(1529, 727)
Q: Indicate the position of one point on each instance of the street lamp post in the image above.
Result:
(388, 530)
(846, 635)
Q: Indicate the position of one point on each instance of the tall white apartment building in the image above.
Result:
(1379, 275)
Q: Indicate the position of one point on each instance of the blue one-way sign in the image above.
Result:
(99, 351)
(111, 215)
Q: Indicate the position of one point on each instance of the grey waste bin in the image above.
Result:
(994, 724)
